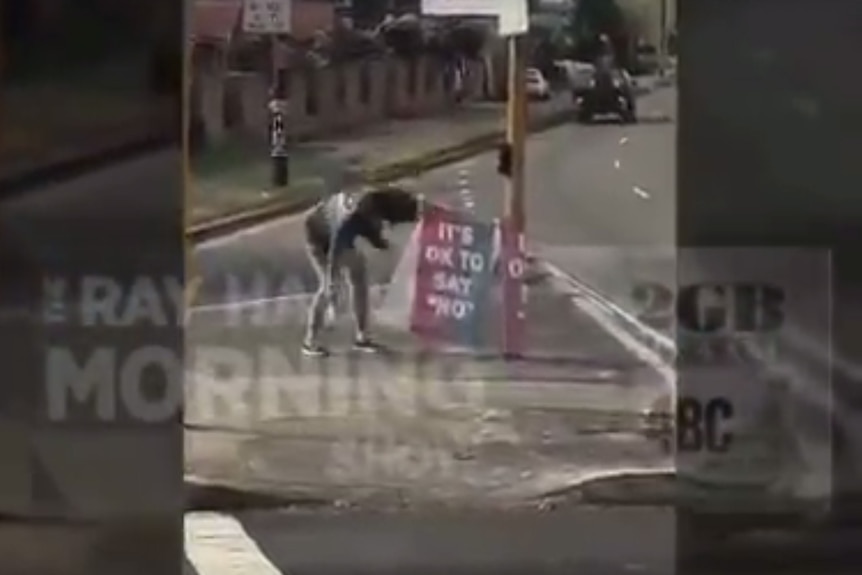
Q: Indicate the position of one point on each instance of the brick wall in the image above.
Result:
(329, 100)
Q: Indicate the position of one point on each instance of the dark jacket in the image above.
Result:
(333, 221)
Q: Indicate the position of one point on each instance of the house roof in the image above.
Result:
(215, 20)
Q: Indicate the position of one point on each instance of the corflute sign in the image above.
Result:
(454, 277)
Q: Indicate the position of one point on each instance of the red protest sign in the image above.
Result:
(454, 277)
(514, 264)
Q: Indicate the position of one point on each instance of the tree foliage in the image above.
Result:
(367, 13)
(465, 41)
(404, 37)
(590, 19)
(348, 43)
(408, 39)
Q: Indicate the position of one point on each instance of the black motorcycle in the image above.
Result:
(610, 93)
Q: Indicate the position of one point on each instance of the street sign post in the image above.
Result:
(273, 18)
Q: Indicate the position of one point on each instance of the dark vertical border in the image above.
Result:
(97, 194)
(770, 133)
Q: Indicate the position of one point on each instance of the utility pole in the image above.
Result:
(662, 41)
(516, 129)
(512, 167)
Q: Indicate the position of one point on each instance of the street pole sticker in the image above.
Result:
(278, 135)
(454, 277)
(754, 400)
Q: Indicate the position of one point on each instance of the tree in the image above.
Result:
(368, 13)
(465, 41)
(543, 52)
(592, 18)
(347, 43)
(404, 37)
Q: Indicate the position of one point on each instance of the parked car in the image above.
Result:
(537, 86)
(578, 75)
(608, 93)
(646, 60)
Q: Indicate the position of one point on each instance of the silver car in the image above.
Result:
(537, 86)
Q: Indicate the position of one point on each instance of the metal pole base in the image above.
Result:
(280, 172)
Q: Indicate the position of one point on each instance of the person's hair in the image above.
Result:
(390, 204)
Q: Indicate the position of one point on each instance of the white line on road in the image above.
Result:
(604, 319)
(217, 544)
(248, 231)
(641, 192)
(236, 305)
(640, 350)
(376, 291)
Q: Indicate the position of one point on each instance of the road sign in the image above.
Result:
(454, 278)
(513, 16)
(266, 16)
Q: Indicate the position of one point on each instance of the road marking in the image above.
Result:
(255, 229)
(376, 292)
(641, 192)
(218, 544)
(464, 189)
(602, 315)
(639, 350)
(617, 164)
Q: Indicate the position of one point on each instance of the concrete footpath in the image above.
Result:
(414, 426)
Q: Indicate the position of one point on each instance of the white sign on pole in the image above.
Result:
(513, 16)
(266, 16)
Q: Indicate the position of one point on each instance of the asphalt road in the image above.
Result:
(268, 261)
(601, 206)
(594, 541)
(578, 196)
(591, 191)
(600, 199)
